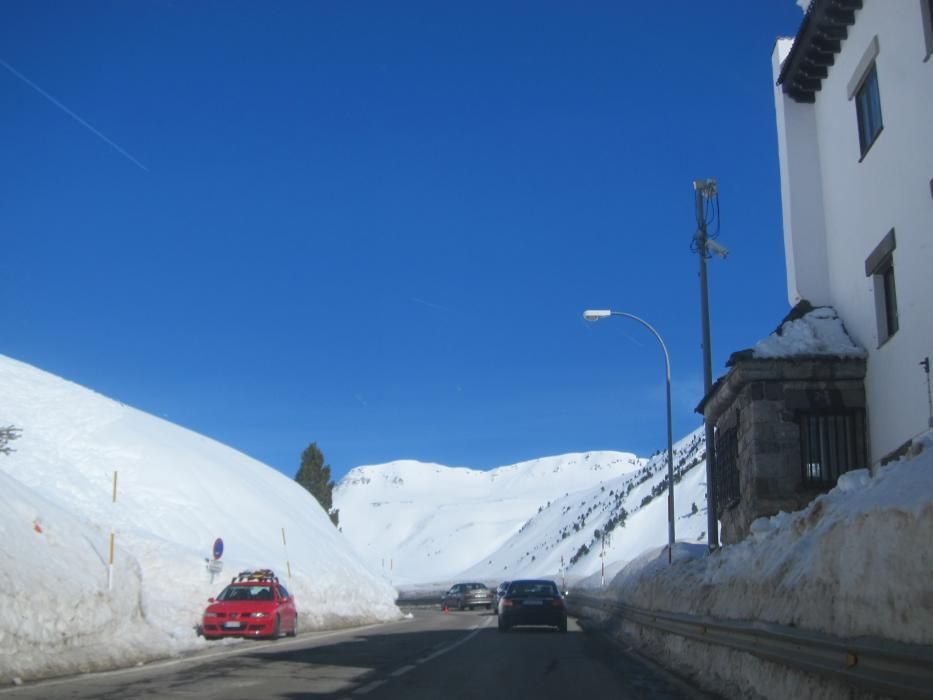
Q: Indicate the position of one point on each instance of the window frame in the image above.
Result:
(868, 110)
(926, 14)
(889, 292)
(880, 267)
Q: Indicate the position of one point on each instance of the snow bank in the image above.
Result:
(854, 563)
(176, 493)
(849, 564)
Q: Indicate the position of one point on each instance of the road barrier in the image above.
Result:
(420, 601)
(877, 665)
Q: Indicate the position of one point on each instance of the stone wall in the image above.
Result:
(762, 401)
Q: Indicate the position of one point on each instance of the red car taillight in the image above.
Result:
(557, 603)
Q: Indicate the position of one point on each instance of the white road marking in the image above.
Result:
(369, 688)
(450, 647)
(401, 671)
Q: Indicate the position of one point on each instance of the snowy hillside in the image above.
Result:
(426, 523)
(176, 493)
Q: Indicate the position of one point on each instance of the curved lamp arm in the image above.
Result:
(598, 314)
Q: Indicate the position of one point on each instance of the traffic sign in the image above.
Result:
(218, 548)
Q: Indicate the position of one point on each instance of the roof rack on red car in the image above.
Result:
(259, 575)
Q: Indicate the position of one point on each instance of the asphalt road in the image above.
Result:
(453, 656)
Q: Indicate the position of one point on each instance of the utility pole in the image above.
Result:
(706, 193)
(925, 363)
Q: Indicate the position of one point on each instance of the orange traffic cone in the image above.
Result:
(444, 609)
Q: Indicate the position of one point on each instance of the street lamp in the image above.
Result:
(598, 314)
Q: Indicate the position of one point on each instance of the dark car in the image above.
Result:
(500, 591)
(467, 595)
(255, 604)
(532, 602)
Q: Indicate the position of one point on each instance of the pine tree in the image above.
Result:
(314, 475)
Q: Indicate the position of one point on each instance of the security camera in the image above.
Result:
(713, 247)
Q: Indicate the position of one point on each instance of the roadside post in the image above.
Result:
(215, 565)
(113, 504)
(287, 563)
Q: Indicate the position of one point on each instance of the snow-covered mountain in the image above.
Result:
(556, 516)
(177, 492)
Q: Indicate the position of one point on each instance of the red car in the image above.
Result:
(255, 604)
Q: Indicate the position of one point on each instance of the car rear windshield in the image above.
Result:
(246, 593)
(533, 588)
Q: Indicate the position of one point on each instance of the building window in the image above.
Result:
(868, 110)
(926, 10)
(830, 445)
(726, 477)
(880, 267)
(888, 301)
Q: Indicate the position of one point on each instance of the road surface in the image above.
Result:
(429, 655)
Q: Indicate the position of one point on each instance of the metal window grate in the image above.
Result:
(830, 445)
(726, 476)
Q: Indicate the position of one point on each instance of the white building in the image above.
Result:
(854, 101)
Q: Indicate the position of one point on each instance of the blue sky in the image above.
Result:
(376, 225)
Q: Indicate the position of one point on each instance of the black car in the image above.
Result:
(467, 595)
(532, 602)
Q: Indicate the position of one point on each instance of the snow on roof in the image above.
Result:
(819, 332)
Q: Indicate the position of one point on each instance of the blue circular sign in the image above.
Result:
(218, 548)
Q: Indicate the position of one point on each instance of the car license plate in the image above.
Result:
(534, 601)
(232, 625)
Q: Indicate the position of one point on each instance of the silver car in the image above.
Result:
(468, 595)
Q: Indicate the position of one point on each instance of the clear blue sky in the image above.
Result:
(375, 225)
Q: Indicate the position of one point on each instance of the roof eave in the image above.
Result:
(825, 26)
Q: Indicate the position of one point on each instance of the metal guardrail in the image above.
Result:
(882, 666)
(422, 601)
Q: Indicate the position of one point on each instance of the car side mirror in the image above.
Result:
(210, 600)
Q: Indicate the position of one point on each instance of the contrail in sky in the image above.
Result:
(71, 114)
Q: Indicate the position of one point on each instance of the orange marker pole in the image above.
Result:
(112, 537)
(287, 563)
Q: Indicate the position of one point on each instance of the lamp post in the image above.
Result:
(596, 315)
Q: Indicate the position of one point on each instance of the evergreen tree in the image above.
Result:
(314, 475)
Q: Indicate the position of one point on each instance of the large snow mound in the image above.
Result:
(852, 563)
(177, 492)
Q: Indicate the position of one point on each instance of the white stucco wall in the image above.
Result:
(801, 194)
(862, 201)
